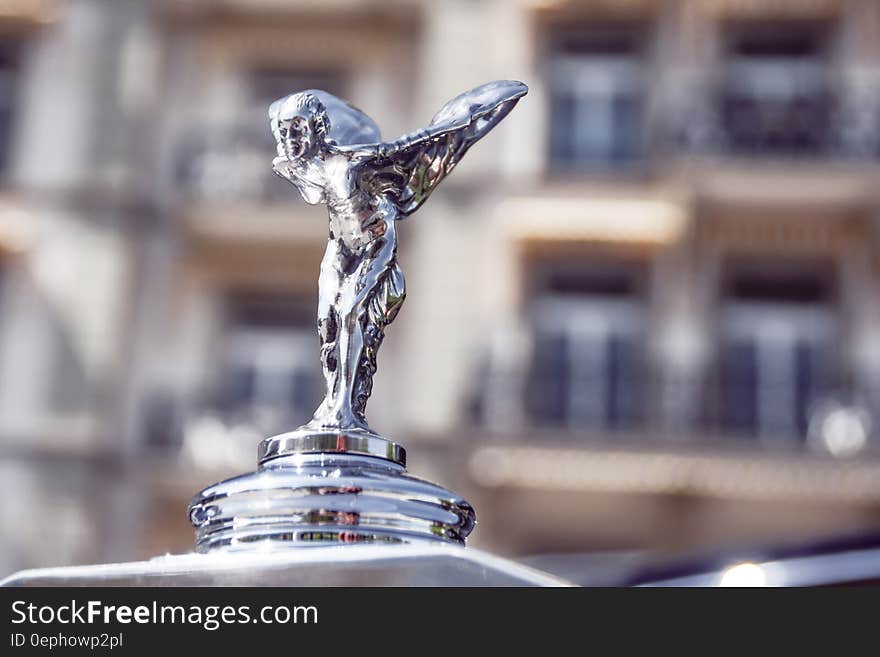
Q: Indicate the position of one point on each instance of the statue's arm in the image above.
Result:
(412, 166)
(311, 192)
(469, 115)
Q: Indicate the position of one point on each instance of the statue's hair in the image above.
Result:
(304, 101)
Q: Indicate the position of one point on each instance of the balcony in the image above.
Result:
(775, 384)
(726, 121)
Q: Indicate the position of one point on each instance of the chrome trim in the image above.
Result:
(423, 564)
(331, 442)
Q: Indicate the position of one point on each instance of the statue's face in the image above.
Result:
(296, 138)
(299, 123)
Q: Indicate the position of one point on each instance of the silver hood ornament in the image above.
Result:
(334, 480)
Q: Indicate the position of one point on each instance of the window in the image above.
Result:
(595, 99)
(272, 374)
(776, 357)
(9, 57)
(776, 99)
(587, 370)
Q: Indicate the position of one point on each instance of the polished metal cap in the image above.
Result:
(301, 441)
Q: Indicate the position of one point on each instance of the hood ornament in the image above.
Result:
(334, 480)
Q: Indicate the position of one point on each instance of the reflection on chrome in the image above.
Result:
(744, 574)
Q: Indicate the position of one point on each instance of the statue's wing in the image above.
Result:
(348, 124)
(411, 167)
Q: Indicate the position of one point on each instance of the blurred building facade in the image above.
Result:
(647, 303)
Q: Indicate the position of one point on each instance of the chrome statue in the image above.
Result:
(334, 481)
(333, 154)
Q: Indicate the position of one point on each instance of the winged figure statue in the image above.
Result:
(333, 154)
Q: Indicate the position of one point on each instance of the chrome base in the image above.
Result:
(328, 498)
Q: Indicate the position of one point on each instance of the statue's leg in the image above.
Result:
(328, 332)
(361, 332)
(351, 342)
(383, 307)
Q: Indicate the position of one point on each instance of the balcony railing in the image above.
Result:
(830, 120)
(234, 168)
(706, 406)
